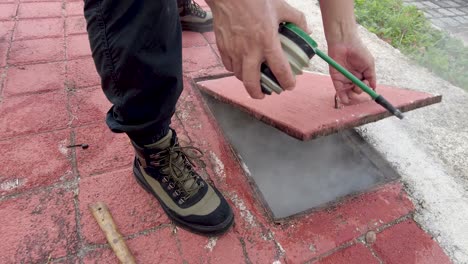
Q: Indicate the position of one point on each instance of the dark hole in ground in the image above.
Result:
(295, 176)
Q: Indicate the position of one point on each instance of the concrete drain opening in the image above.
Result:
(292, 176)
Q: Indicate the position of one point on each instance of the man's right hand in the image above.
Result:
(247, 34)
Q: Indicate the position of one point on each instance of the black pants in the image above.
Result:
(137, 49)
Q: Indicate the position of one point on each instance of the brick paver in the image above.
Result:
(34, 113)
(327, 230)
(78, 46)
(407, 243)
(79, 74)
(107, 150)
(88, 105)
(115, 188)
(39, 28)
(40, 10)
(37, 164)
(8, 11)
(353, 254)
(50, 97)
(75, 25)
(38, 226)
(36, 51)
(34, 78)
(449, 15)
(6, 27)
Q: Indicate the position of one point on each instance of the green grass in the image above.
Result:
(406, 28)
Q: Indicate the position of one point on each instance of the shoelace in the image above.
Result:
(191, 7)
(179, 162)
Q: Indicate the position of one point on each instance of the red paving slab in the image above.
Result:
(216, 50)
(74, 8)
(210, 37)
(36, 108)
(198, 58)
(199, 249)
(263, 252)
(36, 51)
(35, 161)
(141, 210)
(82, 73)
(40, 10)
(38, 226)
(356, 254)
(157, 247)
(39, 28)
(107, 150)
(330, 228)
(78, 46)
(6, 28)
(75, 25)
(193, 39)
(3, 53)
(313, 99)
(88, 105)
(31, 114)
(8, 11)
(407, 243)
(35, 78)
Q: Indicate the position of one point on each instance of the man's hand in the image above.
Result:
(346, 48)
(357, 59)
(247, 34)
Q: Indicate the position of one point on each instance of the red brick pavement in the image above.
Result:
(50, 98)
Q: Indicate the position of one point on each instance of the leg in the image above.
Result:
(137, 49)
(136, 46)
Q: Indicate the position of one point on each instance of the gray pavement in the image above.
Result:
(448, 15)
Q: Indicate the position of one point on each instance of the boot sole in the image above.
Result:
(199, 229)
(201, 28)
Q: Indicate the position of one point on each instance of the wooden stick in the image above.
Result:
(104, 218)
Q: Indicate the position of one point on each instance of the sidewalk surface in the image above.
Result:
(448, 15)
(50, 98)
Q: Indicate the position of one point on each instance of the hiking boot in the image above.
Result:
(194, 18)
(165, 169)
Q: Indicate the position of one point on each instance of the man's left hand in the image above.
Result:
(357, 59)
